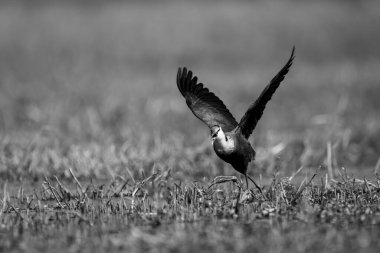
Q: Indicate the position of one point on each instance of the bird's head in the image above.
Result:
(217, 132)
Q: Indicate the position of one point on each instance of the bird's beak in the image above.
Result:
(214, 134)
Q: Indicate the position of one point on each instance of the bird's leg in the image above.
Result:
(223, 179)
(246, 180)
(255, 185)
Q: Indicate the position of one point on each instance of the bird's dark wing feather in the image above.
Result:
(255, 111)
(203, 103)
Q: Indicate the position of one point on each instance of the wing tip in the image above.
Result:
(292, 56)
(180, 73)
(186, 80)
(289, 63)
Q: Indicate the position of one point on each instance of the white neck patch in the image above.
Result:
(223, 144)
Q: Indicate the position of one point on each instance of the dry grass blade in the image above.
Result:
(65, 193)
(82, 191)
(5, 199)
(329, 161)
(283, 194)
(53, 192)
(377, 167)
(302, 188)
(295, 173)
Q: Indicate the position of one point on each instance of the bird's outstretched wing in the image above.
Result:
(203, 103)
(255, 111)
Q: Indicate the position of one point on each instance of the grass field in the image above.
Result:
(99, 152)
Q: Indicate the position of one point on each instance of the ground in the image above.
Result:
(99, 152)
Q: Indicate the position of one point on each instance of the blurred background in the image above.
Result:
(91, 85)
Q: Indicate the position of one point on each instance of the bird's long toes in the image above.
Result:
(223, 179)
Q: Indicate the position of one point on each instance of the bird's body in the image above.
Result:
(234, 149)
(229, 138)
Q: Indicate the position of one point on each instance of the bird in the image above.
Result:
(229, 138)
